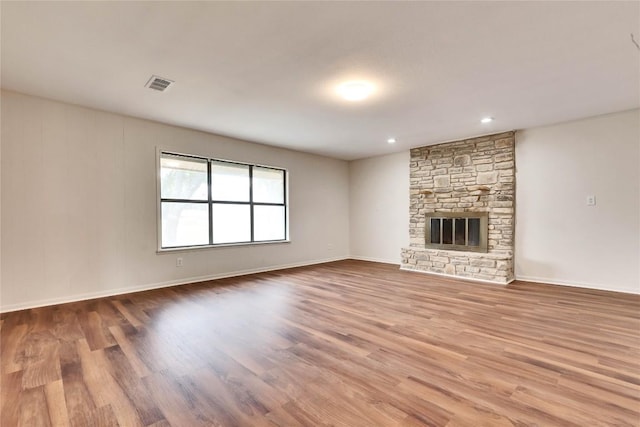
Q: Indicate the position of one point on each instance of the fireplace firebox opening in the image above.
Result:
(458, 231)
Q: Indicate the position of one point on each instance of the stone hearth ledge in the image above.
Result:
(494, 267)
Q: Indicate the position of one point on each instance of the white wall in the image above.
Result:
(379, 208)
(79, 205)
(558, 238)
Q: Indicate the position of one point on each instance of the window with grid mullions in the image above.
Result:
(207, 202)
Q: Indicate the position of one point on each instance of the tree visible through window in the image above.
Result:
(209, 202)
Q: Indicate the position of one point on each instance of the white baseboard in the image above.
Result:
(159, 285)
(574, 284)
(451, 276)
(366, 258)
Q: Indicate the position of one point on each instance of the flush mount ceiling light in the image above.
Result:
(487, 120)
(391, 141)
(355, 90)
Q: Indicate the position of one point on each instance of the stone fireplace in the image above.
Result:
(462, 209)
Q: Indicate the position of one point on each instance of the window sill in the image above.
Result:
(221, 245)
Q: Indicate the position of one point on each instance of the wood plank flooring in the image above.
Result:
(349, 343)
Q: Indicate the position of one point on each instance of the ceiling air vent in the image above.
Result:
(159, 83)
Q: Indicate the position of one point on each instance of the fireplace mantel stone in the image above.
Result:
(471, 175)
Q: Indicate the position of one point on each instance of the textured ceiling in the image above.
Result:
(266, 71)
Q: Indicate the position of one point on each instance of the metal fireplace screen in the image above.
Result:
(458, 231)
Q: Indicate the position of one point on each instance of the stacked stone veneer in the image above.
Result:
(471, 175)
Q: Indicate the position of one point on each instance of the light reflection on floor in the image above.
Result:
(245, 317)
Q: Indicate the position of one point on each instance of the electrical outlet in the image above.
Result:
(591, 200)
(330, 246)
(179, 262)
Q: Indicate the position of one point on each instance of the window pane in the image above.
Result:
(184, 224)
(231, 223)
(268, 223)
(268, 185)
(229, 182)
(183, 178)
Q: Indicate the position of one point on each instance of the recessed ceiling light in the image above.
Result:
(487, 120)
(355, 90)
(391, 141)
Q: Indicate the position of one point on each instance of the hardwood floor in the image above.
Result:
(349, 343)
